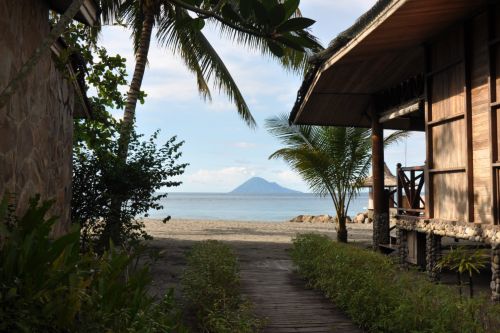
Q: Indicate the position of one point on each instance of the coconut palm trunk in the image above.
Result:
(141, 59)
(112, 228)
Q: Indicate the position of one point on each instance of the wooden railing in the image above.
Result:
(411, 182)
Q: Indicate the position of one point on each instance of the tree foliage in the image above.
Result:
(333, 161)
(99, 175)
(271, 27)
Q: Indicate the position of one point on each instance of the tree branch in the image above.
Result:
(40, 51)
(208, 13)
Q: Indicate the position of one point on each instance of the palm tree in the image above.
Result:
(271, 26)
(334, 161)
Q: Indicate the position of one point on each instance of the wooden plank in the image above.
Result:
(446, 119)
(480, 100)
(446, 67)
(449, 145)
(448, 170)
(399, 112)
(429, 191)
(282, 298)
(492, 35)
(451, 189)
(468, 122)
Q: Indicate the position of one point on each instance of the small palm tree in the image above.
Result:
(334, 161)
(460, 260)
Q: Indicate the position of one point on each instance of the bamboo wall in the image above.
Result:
(462, 122)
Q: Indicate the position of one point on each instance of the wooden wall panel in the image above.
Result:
(481, 146)
(447, 48)
(496, 66)
(450, 196)
(448, 145)
(448, 93)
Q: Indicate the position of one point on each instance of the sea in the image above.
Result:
(251, 207)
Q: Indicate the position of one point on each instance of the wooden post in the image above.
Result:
(380, 208)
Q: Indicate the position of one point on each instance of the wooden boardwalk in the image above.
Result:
(281, 297)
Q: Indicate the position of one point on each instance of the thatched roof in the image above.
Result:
(382, 49)
(389, 179)
(336, 44)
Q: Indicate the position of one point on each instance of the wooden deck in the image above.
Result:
(281, 297)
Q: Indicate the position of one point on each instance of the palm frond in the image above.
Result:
(202, 58)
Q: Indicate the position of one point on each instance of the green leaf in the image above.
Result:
(277, 14)
(292, 42)
(291, 7)
(246, 8)
(197, 23)
(229, 13)
(261, 13)
(295, 24)
(275, 48)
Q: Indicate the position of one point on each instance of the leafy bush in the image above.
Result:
(380, 298)
(211, 284)
(49, 286)
(100, 176)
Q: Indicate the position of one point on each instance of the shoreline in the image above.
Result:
(248, 231)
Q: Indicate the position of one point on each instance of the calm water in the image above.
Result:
(250, 207)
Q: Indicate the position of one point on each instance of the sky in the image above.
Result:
(221, 150)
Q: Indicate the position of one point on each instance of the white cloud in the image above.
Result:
(218, 180)
(291, 179)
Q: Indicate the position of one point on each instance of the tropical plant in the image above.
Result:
(379, 297)
(334, 161)
(48, 285)
(461, 260)
(268, 25)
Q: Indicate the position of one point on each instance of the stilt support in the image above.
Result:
(433, 255)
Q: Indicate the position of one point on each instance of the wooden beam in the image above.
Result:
(377, 164)
(400, 111)
(467, 41)
(492, 115)
(429, 188)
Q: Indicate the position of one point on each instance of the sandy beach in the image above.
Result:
(243, 231)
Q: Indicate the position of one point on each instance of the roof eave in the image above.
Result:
(88, 14)
(337, 56)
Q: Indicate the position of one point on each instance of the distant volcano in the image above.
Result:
(257, 185)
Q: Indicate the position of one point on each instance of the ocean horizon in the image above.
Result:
(250, 207)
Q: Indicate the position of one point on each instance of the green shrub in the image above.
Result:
(381, 298)
(47, 285)
(211, 285)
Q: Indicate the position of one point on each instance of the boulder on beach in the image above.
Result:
(313, 219)
(360, 218)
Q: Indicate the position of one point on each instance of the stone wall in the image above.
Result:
(485, 233)
(37, 125)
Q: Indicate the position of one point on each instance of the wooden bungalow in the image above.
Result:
(422, 65)
(36, 125)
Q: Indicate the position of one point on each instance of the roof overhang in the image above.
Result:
(88, 14)
(386, 52)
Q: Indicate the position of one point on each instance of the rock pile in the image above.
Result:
(363, 218)
(313, 219)
(317, 219)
